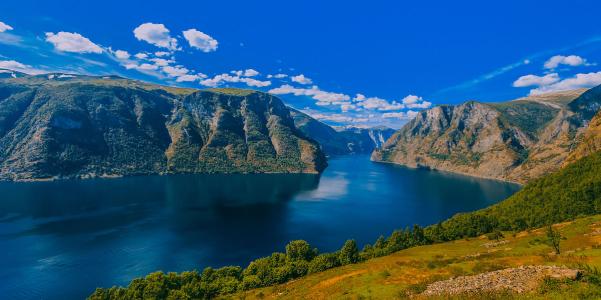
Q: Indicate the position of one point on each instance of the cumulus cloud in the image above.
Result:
(277, 76)
(155, 34)
(141, 55)
(534, 80)
(200, 40)
(246, 73)
(190, 77)
(570, 60)
(375, 103)
(121, 54)
(323, 97)
(582, 80)
(302, 79)
(225, 78)
(161, 62)
(412, 101)
(400, 115)
(161, 53)
(4, 27)
(72, 42)
(338, 118)
(19, 67)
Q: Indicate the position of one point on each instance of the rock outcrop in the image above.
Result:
(512, 280)
(66, 126)
(515, 141)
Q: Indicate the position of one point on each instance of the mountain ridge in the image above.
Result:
(514, 141)
(86, 126)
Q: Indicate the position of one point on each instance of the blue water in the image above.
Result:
(60, 240)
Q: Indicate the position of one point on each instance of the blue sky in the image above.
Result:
(345, 62)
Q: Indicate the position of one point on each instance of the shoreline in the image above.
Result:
(450, 172)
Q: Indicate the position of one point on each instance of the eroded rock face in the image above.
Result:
(590, 142)
(516, 141)
(89, 126)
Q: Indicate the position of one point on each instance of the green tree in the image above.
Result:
(349, 253)
(300, 250)
(553, 238)
(323, 262)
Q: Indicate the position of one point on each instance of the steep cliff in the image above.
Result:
(517, 140)
(62, 126)
(590, 142)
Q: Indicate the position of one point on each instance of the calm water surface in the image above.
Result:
(60, 240)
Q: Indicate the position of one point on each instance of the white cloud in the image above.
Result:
(161, 53)
(411, 99)
(376, 103)
(121, 54)
(147, 67)
(278, 76)
(4, 27)
(190, 77)
(323, 97)
(175, 71)
(570, 60)
(223, 78)
(302, 79)
(246, 73)
(72, 42)
(250, 73)
(19, 67)
(155, 34)
(141, 55)
(400, 115)
(338, 118)
(161, 62)
(534, 80)
(200, 40)
(582, 80)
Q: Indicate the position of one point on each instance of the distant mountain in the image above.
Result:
(517, 140)
(5, 73)
(63, 126)
(344, 141)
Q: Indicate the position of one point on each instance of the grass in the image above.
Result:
(408, 272)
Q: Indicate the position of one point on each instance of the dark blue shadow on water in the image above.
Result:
(62, 239)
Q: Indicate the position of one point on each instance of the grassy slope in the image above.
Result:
(408, 271)
(571, 192)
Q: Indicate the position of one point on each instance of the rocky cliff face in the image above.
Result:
(515, 141)
(590, 142)
(61, 126)
(344, 141)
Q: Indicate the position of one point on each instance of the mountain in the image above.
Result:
(64, 126)
(5, 73)
(590, 143)
(516, 141)
(344, 141)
